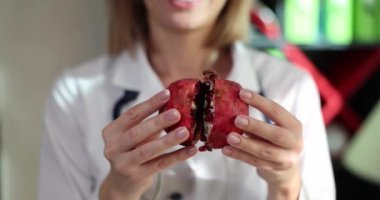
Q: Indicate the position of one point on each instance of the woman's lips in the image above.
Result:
(185, 4)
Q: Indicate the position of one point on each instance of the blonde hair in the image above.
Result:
(128, 24)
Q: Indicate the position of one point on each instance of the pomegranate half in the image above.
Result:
(208, 109)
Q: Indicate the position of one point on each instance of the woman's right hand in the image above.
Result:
(136, 152)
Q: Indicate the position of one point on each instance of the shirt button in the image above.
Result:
(175, 196)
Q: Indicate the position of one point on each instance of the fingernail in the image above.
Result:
(245, 94)
(227, 150)
(192, 151)
(164, 95)
(241, 121)
(172, 115)
(233, 139)
(181, 132)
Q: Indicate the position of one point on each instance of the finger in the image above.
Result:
(150, 138)
(259, 149)
(274, 134)
(139, 112)
(155, 148)
(167, 160)
(248, 158)
(135, 135)
(274, 111)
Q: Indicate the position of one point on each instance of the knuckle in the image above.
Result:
(143, 153)
(266, 152)
(254, 100)
(152, 102)
(163, 163)
(243, 145)
(276, 110)
(119, 167)
(289, 162)
(171, 159)
(285, 165)
(299, 147)
(109, 153)
(123, 168)
(168, 141)
(158, 122)
(182, 156)
(133, 135)
(257, 124)
(297, 125)
(106, 131)
(132, 114)
(278, 135)
(252, 161)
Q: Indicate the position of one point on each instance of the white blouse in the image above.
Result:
(72, 164)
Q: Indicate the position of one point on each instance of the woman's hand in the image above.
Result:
(274, 149)
(135, 150)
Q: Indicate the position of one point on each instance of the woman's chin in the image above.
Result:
(187, 24)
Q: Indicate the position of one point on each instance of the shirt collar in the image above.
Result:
(136, 74)
(244, 69)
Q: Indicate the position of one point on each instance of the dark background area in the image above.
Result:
(340, 64)
(330, 59)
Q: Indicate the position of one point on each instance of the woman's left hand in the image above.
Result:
(274, 149)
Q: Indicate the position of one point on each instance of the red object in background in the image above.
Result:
(266, 22)
(332, 99)
(349, 77)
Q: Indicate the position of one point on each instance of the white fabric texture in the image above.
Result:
(81, 103)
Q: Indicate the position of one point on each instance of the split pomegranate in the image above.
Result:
(208, 109)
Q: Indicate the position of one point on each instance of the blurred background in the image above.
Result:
(38, 39)
(337, 41)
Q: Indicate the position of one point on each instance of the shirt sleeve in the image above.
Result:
(317, 173)
(64, 163)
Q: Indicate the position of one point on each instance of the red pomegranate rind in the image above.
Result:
(182, 95)
(211, 105)
(227, 106)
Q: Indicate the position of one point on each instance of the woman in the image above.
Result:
(153, 43)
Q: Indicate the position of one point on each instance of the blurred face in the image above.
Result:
(183, 15)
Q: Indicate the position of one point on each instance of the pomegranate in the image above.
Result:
(208, 109)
